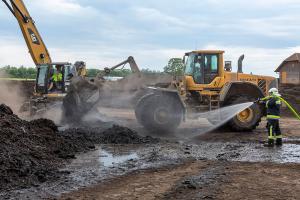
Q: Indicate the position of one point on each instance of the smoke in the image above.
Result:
(11, 93)
(52, 112)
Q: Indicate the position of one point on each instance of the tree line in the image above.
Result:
(174, 67)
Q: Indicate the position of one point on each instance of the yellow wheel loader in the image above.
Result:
(208, 84)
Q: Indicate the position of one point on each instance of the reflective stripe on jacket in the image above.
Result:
(273, 105)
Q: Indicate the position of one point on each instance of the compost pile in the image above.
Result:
(115, 135)
(291, 93)
(31, 152)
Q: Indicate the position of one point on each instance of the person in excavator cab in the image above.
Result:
(273, 104)
(56, 81)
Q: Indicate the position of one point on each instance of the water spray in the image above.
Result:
(220, 116)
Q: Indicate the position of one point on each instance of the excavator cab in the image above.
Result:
(45, 74)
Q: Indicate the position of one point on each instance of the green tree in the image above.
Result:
(92, 72)
(149, 71)
(18, 72)
(175, 67)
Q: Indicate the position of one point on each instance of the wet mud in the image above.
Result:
(31, 152)
(114, 162)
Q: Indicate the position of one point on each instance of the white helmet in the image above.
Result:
(274, 91)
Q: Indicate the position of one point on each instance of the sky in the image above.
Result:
(105, 32)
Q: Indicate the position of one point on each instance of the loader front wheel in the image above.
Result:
(159, 112)
(248, 119)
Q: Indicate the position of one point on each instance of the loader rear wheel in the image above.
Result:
(249, 118)
(159, 112)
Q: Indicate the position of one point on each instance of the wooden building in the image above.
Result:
(289, 70)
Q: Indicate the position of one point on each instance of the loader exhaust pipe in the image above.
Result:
(240, 63)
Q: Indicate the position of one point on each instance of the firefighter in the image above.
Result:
(273, 104)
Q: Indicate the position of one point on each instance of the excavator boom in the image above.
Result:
(34, 41)
(130, 60)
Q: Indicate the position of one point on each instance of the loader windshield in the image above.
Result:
(189, 65)
(203, 67)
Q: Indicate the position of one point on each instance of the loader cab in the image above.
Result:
(203, 66)
(45, 74)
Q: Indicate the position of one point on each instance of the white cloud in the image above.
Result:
(62, 7)
(257, 60)
(110, 35)
(163, 21)
(278, 26)
(254, 3)
(13, 52)
(268, 3)
(104, 56)
(154, 15)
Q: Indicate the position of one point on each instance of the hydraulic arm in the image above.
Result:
(35, 44)
(130, 60)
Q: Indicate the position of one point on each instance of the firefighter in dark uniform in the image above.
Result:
(273, 104)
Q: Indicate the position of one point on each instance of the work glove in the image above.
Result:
(257, 100)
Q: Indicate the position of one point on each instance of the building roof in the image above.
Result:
(293, 58)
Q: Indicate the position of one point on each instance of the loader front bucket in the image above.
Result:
(82, 96)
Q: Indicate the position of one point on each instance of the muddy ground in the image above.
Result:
(180, 165)
(32, 152)
(217, 165)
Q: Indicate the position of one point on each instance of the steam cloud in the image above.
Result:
(11, 94)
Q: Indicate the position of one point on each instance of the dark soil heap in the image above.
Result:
(31, 152)
(114, 135)
(291, 93)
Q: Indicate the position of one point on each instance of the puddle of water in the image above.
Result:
(107, 159)
(288, 153)
(87, 169)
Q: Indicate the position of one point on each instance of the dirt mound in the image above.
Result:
(114, 135)
(31, 152)
(5, 109)
(290, 93)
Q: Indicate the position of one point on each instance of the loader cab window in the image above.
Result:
(211, 68)
(189, 65)
(203, 67)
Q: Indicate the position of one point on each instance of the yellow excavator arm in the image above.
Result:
(34, 41)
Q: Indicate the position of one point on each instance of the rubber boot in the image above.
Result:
(270, 143)
(279, 142)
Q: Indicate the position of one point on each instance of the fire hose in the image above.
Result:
(290, 107)
(285, 102)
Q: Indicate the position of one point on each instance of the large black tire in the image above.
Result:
(254, 113)
(159, 112)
